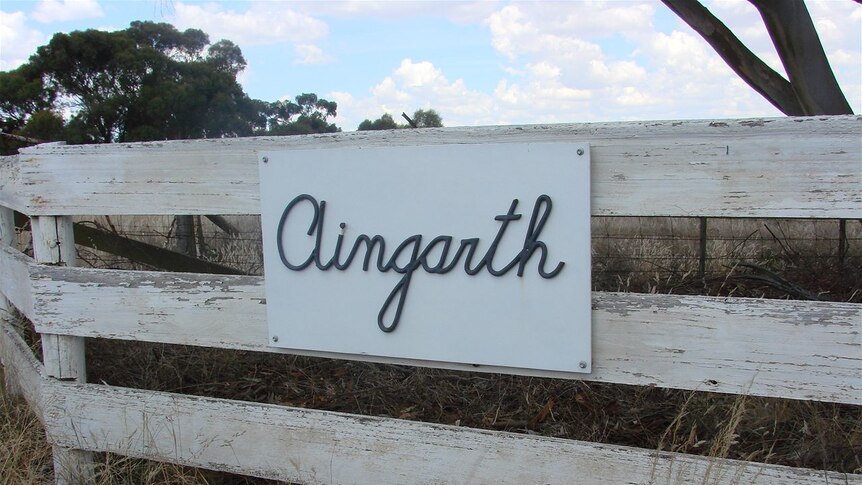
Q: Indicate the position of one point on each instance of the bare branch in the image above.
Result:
(763, 79)
(24, 139)
(792, 31)
(412, 123)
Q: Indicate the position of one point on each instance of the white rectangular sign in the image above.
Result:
(476, 254)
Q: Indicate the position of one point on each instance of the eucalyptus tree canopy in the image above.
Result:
(147, 82)
(423, 118)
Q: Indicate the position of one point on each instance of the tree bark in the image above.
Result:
(792, 31)
(812, 88)
(748, 66)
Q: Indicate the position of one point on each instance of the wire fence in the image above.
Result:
(822, 259)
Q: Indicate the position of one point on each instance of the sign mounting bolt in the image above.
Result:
(580, 151)
(265, 159)
(582, 365)
(275, 338)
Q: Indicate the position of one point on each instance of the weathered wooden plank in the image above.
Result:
(12, 194)
(64, 356)
(21, 366)
(7, 226)
(15, 279)
(779, 348)
(316, 447)
(7, 240)
(54, 244)
(675, 168)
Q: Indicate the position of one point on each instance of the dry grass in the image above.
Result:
(629, 254)
(661, 255)
(25, 457)
(795, 433)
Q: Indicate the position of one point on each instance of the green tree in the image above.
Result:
(22, 93)
(44, 125)
(422, 118)
(427, 119)
(308, 114)
(385, 122)
(147, 82)
(225, 56)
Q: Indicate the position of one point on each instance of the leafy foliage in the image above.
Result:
(421, 117)
(307, 115)
(385, 122)
(147, 82)
(427, 119)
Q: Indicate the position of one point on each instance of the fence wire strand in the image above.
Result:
(640, 254)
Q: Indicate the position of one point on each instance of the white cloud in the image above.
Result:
(416, 85)
(604, 60)
(461, 12)
(311, 54)
(388, 93)
(596, 19)
(849, 58)
(544, 70)
(49, 11)
(590, 61)
(617, 72)
(262, 23)
(418, 74)
(840, 27)
(17, 41)
(506, 27)
(742, 7)
(556, 69)
(681, 51)
(631, 96)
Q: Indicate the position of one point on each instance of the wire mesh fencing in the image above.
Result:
(773, 258)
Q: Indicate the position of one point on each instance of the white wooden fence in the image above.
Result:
(789, 168)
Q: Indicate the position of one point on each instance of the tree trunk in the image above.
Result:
(812, 88)
(738, 57)
(792, 31)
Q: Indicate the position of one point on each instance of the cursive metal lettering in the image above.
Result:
(418, 257)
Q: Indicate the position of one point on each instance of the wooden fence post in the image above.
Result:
(7, 238)
(63, 356)
(842, 241)
(186, 236)
(702, 249)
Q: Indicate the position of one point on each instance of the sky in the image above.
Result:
(475, 63)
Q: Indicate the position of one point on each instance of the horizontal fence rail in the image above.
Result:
(761, 168)
(778, 348)
(309, 446)
(733, 168)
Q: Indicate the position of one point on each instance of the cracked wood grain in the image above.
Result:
(317, 447)
(783, 167)
(779, 348)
